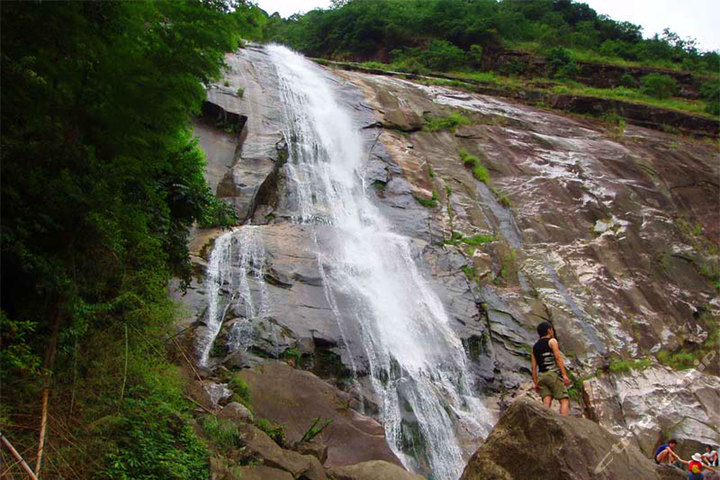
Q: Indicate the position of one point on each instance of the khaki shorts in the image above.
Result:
(550, 384)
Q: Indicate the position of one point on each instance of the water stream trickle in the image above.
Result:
(388, 315)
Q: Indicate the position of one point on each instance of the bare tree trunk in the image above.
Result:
(48, 365)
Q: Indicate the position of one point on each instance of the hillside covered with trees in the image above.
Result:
(101, 180)
(562, 41)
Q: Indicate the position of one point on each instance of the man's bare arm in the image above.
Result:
(558, 359)
(534, 368)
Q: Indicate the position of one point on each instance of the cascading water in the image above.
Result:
(246, 244)
(391, 320)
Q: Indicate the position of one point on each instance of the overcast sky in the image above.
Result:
(699, 19)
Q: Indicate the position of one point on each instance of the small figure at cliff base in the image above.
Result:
(552, 381)
(665, 454)
(710, 457)
(696, 467)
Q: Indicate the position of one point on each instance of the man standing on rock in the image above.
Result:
(547, 359)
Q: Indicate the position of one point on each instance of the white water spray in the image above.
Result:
(416, 362)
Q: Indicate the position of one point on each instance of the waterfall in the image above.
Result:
(392, 322)
(416, 362)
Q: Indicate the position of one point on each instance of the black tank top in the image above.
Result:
(544, 355)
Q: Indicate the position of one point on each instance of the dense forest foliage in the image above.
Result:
(101, 180)
(452, 34)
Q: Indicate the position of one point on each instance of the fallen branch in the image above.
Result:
(17, 456)
(199, 404)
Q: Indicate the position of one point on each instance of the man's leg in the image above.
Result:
(664, 456)
(548, 401)
(565, 406)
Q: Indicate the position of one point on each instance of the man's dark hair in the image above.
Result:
(543, 328)
(709, 446)
(672, 440)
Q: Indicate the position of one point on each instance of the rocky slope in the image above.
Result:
(611, 235)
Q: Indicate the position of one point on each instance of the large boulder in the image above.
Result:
(293, 398)
(373, 470)
(261, 446)
(530, 441)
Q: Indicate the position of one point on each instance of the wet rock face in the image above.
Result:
(241, 133)
(531, 442)
(609, 235)
(648, 407)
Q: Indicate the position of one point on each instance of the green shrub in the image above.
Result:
(432, 203)
(562, 63)
(451, 122)
(478, 239)
(240, 92)
(442, 55)
(475, 53)
(659, 86)
(154, 441)
(468, 271)
(241, 391)
(273, 431)
(481, 173)
(627, 81)
(222, 432)
(621, 366)
(677, 360)
(710, 92)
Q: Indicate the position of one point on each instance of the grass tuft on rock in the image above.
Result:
(471, 161)
(451, 122)
(432, 203)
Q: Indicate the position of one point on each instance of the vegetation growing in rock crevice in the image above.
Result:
(451, 122)
(431, 203)
(479, 171)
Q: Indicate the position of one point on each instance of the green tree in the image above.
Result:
(658, 85)
(101, 180)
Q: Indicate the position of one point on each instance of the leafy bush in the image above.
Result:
(622, 366)
(442, 55)
(475, 53)
(627, 81)
(658, 85)
(154, 441)
(451, 122)
(479, 171)
(478, 239)
(562, 63)
(710, 92)
(222, 432)
(273, 431)
(240, 92)
(241, 391)
(432, 203)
